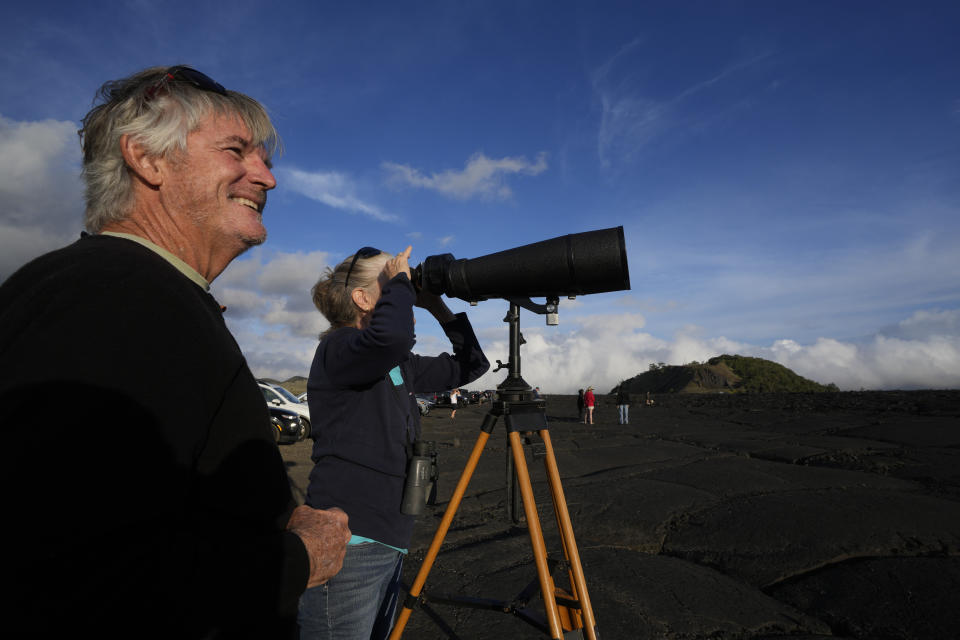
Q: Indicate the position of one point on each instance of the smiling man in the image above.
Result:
(162, 506)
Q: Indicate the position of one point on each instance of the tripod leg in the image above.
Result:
(536, 537)
(441, 533)
(572, 617)
(514, 500)
(570, 544)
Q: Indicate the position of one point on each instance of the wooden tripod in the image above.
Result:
(568, 614)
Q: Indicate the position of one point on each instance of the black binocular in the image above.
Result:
(571, 265)
(420, 487)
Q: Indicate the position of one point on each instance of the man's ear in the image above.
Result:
(143, 165)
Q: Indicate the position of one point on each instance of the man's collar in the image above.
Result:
(180, 265)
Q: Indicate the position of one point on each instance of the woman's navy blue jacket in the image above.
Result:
(364, 417)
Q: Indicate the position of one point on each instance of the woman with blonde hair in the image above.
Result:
(361, 395)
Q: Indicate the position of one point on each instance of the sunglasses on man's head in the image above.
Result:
(183, 73)
(365, 252)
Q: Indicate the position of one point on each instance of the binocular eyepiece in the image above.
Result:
(570, 265)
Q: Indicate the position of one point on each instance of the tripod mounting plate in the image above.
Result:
(527, 415)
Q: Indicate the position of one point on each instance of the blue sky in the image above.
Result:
(787, 173)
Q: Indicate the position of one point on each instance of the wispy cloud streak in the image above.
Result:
(334, 189)
(631, 117)
(482, 176)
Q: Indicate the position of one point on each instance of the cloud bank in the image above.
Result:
(602, 350)
(270, 312)
(40, 189)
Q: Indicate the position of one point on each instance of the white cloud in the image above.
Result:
(883, 363)
(41, 194)
(269, 305)
(482, 176)
(598, 350)
(925, 354)
(334, 189)
(292, 275)
(277, 354)
(31, 153)
(933, 322)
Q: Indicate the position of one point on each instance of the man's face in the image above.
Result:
(217, 189)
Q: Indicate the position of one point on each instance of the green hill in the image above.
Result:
(724, 374)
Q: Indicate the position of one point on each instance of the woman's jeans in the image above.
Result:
(358, 601)
(624, 411)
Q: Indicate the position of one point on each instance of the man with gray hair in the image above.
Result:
(147, 496)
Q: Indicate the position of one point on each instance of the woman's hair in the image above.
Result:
(158, 113)
(332, 296)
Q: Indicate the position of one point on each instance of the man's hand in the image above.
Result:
(324, 533)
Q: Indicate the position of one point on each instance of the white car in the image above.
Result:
(277, 396)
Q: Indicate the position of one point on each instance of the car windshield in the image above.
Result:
(286, 394)
(268, 394)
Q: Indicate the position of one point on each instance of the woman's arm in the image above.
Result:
(446, 371)
(364, 355)
(435, 305)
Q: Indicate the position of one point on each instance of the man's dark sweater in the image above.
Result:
(149, 499)
(364, 420)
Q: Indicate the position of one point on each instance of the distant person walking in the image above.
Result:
(580, 405)
(588, 401)
(454, 402)
(623, 404)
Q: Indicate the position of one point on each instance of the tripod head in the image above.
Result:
(514, 388)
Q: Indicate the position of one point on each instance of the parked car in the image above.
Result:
(277, 396)
(429, 398)
(423, 405)
(287, 426)
(443, 399)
